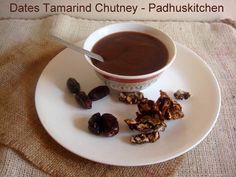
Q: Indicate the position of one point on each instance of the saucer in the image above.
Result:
(67, 122)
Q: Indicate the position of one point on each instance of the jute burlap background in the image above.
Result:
(25, 50)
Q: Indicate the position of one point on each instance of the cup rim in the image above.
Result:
(157, 72)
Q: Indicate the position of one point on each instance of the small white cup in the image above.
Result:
(130, 83)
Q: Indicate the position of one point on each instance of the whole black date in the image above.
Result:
(83, 100)
(110, 125)
(94, 124)
(73, 85)
(98, 92)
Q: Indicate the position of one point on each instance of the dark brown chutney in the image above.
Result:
(130, 53)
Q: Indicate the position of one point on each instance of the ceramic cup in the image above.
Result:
(130, 83)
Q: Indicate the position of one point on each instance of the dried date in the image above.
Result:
(106, 124)
(83, 100)
(94, 124)
(98, 92)
(73, 85)
(110, 125)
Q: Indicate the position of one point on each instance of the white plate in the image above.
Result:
(67, 123)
